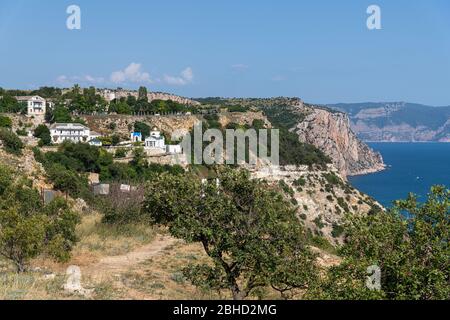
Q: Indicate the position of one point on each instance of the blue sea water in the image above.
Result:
(413, 167)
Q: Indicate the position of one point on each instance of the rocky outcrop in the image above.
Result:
(121, 93)
(243, 118)
(330, 132)
(322, 197)
(166, 96)
(123, 125)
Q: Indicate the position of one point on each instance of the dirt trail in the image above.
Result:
(114, 265)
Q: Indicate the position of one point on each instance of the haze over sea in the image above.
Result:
(413, 167)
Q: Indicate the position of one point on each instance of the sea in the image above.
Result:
(412, 167)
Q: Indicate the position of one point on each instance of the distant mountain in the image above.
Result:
(397, 121)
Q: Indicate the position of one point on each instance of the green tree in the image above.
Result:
(60, 114)
(8, 103)
(43, 133)
(142, 94)
(28, 229)
(410, 245)
(142, 128)
(11, 142)
(247, 228)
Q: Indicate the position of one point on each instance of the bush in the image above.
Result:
(5, 122)
(300, 182)
(121, 153)
(21, 132)
(43, 133)
(28, 229)
(410, 244)
(337, 231)
(123, 208)
(11, 142)
(67, 180)
(143, 128)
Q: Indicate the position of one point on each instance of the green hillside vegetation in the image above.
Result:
(67, 167)
(292, 151)
(28, 228)
(11, 141)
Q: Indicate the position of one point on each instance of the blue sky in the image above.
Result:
(318, 50)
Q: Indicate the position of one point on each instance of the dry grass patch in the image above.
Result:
(161, 277)
(110, 240)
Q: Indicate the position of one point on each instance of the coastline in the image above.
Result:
(380, 168)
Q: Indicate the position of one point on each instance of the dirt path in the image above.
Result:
(114, 265)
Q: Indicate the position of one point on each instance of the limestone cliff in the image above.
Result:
(322, 197)
(330, 132)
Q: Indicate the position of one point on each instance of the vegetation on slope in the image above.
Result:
(28, 228)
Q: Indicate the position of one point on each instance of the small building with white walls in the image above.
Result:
(95, 142)
(36, 105)
(174, 149)
(74, 132)
(155, 140)
(136, 137)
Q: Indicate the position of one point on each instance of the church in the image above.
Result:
(155, 140)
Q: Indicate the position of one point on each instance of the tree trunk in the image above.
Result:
(20, 265)
(237, 294)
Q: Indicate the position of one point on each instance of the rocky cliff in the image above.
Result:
(116, 94)
(327, 129)
(322, 197)
(398, 121)
(330, 132)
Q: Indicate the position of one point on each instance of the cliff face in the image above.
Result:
(323, 198)
(151, 96)
(331, 133)
(398, 121)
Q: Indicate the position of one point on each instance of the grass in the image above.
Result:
(108, 240)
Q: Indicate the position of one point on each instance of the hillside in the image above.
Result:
(398, 121)
(326, 129)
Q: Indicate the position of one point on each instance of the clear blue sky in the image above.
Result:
(318, 50)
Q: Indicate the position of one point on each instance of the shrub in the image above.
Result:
(11, 142)
(121, 153)
(5, 122)
(21, 132)
(332, 179)
(43, 133)
(300, 182)
(28, 229)
(337, 231)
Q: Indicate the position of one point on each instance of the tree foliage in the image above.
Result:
(410, 245)
(11, 142)
(42, 132)
(28, 228)
(247, 228)
(5, 122)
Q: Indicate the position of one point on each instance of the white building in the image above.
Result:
(73, 132)
(36, 105)
(155, 141)
(174, 149)
(136, 137)
(95, 142)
